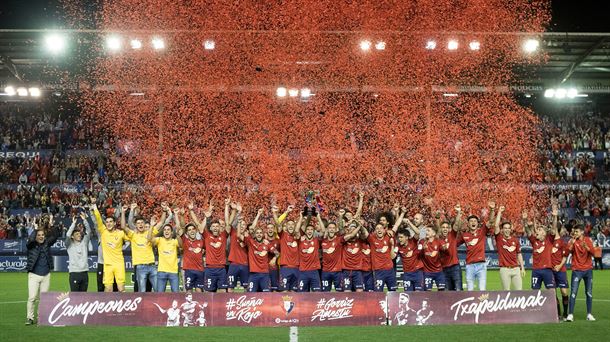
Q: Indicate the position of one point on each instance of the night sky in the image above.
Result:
(568, 15)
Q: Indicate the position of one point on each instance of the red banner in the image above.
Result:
(474, 307)
(212, 309)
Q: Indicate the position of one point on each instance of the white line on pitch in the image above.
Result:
(17, 302)
(294, 334)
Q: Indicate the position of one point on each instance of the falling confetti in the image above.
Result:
(200, 120)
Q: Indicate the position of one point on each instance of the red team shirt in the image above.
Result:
(309, 254)
(258, 255)
(365, 256)
(541, 252)
(289, 248)
(238, 253)
(558, 252)
(432, 264)
(475, 245)
(275, 243)
(215, 247)
(332, 251)
(380, 252)
(449, 257)
(352, 255)
(192, 255)
(410, 256)
(581, 258)
(508, 250)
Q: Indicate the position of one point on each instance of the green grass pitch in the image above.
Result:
(13, 294)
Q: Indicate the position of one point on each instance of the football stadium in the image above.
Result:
(304, 170)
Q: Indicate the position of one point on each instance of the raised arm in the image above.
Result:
(124, 225)
(255, 222)
(398, 221)
(413, 227)
(191, 208)
(99, 223)
(166, 211)
(83, 216)
(299, 223)
(178, 222)
(132, 216)
(322, 225)
(360, 204)
(365, 233)
(527, 227)
(498, 220)
(555, 214)
(227, 215)
(68, 240)
(458, 223)
(492, 213)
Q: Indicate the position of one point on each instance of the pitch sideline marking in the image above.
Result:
(294, 334)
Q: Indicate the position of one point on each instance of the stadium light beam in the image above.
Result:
(452, 44)
(380, 45)
(365, 45)
(474, 45)
(531, 45)
(114, 43)
(34, 91)
(561, 93)
(293, 92)
(549, 93)
(209, 45)
(305, 93)
(10, 91)
(572, 93)
(158, 44)
(430, 45)
(21, 91)
(136, 44)
(281, 92)
(55, 43)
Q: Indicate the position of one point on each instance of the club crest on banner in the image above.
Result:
(287, 304)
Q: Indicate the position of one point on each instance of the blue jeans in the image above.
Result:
(144, 273)
(476, 271)
(163, 278)
(453, 277)
(577, 276)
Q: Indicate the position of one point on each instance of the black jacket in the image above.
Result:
(34, 249)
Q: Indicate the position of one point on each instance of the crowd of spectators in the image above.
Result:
(60, 181)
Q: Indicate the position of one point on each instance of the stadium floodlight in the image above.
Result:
(136, 44)
(34, 91)
(158, 43)
(293, 92)
(452, 44)
(531, 45)
(549, 93)
(10, 91)
(305, 93)
(281, 92)
(21, 91)
(572, 93)
(380, 45)
(365, 45)
(474, 45)
(561, 93)
(430, 45)
(113, 43)
(209, 44)
(55, 43)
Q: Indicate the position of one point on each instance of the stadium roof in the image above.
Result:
(576, 58)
